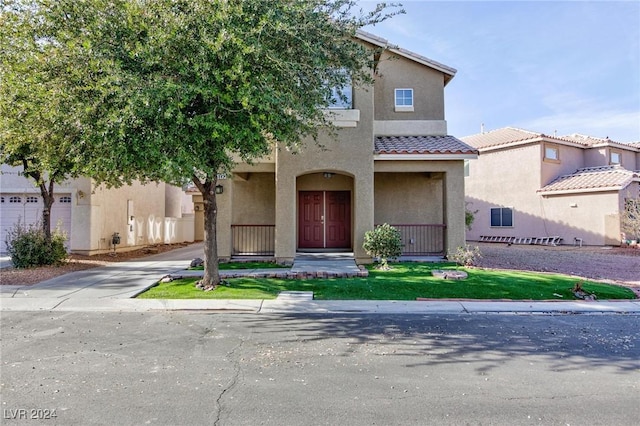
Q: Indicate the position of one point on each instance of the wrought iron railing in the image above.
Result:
(422, 240)
(253, 240)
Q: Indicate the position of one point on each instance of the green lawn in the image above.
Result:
(406, 281)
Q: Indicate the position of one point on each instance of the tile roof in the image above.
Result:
(421, 145)
(498, 137)
(512, 135)
(586, 140)
(592, 179)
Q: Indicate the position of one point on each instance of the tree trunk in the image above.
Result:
(46, 191)
(48, 199)
(211, 272)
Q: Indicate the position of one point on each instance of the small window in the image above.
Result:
(501, 217)
(551, 153)
(615, 158)
(1, 199)
(342, 97)
(65, 199)
(466, 168)
(404, 100)
(32, 199)
(15, 199)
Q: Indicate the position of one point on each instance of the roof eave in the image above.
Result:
(448, 71)
(422, 157)
(581, 190)
(540, 139)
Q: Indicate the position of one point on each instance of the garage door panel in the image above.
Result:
(15, 208)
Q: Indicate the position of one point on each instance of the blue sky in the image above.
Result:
(544, 66)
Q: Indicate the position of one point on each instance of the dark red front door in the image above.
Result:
(311, 219)
(324, 219)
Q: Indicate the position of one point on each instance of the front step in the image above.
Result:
(295, 296)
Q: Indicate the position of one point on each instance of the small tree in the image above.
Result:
(469, 216)
(384, 242)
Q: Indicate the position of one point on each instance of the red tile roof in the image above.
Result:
(421, 145)
(592, 179)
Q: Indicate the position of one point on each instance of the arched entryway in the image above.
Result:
(324, 220)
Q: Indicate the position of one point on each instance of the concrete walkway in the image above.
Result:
(112, 288)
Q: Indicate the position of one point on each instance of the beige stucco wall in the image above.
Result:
(486, 186)
(97, 212)
(351, 155)
(628, 158)
(511, 178)
(593, 217)
(402, 73)
(350, 159)
(136, 212)
(594, 157)
(452, 173)
(571, 159)
(254, 199)
(409, 198)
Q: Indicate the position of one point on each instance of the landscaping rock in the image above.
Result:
(447, 274)
(196, 263)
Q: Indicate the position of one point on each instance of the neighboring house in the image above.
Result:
(392, 162)
(530, 185)
(90, 214)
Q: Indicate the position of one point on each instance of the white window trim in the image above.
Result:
(403, 108)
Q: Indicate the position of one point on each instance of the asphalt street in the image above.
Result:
(198, 368)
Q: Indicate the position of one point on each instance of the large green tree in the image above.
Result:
(38, 126)
(175, 90)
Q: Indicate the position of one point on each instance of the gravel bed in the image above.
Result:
(613, 264)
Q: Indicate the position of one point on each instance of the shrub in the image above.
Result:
(384, 242)
(465, 255)
(28, 246)
(469, 216)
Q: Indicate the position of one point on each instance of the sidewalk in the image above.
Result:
(112, 288)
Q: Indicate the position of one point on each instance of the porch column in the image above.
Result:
(225, 209)
(286, 221)
(362, 214)
(454, 208)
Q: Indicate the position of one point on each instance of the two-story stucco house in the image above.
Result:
(90, 214)
(392, 162)
(530, 185)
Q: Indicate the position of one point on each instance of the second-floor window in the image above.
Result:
(403, 100)
(501, 217)
(341, 97)
(615, 158)
(551, 153)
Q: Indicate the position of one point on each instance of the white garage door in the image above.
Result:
(27, 209)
